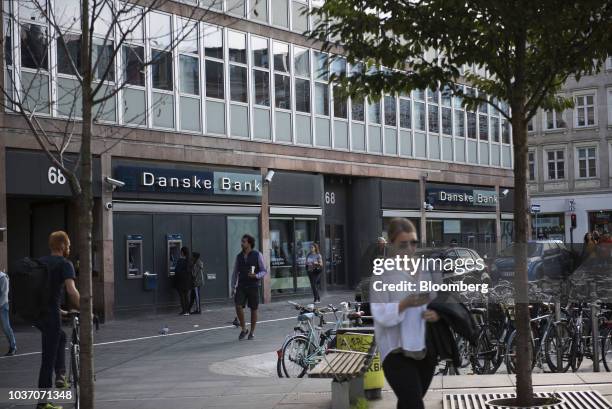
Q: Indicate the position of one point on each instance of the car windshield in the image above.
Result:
(533, 250)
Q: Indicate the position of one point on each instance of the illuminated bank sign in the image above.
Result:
(461, 197)
(162, 180)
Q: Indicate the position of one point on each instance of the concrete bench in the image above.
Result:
(346, 369)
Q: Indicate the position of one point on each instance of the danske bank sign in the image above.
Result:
(462, 197)
(161, 180)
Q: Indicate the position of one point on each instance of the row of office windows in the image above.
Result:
(224, 82)
(555, 161)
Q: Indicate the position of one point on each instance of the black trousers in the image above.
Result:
(184, 296)
(315, 278)
(409, 378)
(53, 351)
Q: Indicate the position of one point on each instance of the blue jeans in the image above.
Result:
(6, 325)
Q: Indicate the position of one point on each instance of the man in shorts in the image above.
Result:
(249, 269)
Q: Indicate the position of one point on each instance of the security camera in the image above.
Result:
(108, 205)
(505, 192)
(427, 206)
(114, 182)
(269, 176)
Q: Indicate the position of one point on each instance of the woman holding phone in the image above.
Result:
(400, 320)
(314, 268)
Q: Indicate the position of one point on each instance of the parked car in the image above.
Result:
(469, 257)
(545, 258)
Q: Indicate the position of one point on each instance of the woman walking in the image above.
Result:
(183, 277)
(197, 281)
(589, 247)
(314, 268)
(400, 321)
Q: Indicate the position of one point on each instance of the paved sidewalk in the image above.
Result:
(268, 393)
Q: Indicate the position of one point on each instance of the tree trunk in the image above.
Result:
(524, 386)
(86, 220)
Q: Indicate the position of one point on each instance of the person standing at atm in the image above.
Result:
(183, 277)
(249, 269)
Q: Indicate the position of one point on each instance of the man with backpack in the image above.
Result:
(4, 314)
(61, 275)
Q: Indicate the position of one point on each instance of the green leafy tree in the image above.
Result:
(517, 51)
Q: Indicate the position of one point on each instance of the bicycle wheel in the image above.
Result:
(511, 351)
(296, 352)
(559, 346)
(74, 375)
(483, 353)
(606, 349)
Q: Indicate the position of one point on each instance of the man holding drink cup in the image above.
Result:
(249, 269)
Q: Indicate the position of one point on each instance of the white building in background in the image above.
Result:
(570, 158)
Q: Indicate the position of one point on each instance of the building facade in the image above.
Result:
(570, 162)
(193, 137)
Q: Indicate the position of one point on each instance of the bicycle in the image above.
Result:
(581, 323)
(75, 350)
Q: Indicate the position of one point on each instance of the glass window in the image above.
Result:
(434, 121)
(237, 7)
(419, 94)
(35, 89)
(302, 95)
(102, 56)
(495, 129)
(459, 123)
(556, 164)
(531, 165)
(300, 16)
(483, 126)
(160, 33)
(374, 111)
(189, 74)
(301, 61)
(505, 131)
(390, 111)
(261, 55)
(34, 47)
(188, 36)
(321, 99)
(236, 44)
(103, 18)
(262, 87)
(130, 25)
(320, 60)
(340, 103)
(282, 91)
(280, 13)
(447, 121)
(260, 11)
(32, 10)
(587, 162)
(554, 120)
(133, 65)
(213, 42)
(238, 83)
(446, 97)
(432, 96)
(338, 66)
(162, 70)
(68, 14)
(8, 44)
(357, 110)
(281, 57)
(471, 120)
(214, 79)
(212, 4)
(419, 116)
(65, 60)
(405, 113)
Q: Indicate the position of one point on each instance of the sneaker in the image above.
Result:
(11, 352)
(196, 312)
(61, 382)
(48, 405)
(251, 336)
(236, 323)
(185, 314)
(243, 334)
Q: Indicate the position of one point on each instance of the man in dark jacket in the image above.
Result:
(249, 269)
(183, 280)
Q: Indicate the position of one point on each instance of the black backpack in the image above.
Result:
(30, 282)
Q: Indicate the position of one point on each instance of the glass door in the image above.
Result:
(334, 255)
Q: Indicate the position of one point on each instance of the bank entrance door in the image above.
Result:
(335, 267)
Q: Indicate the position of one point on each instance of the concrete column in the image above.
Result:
(3, 210)
(497, 221)
(422, 197)
(106, 302)
(264, 231)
